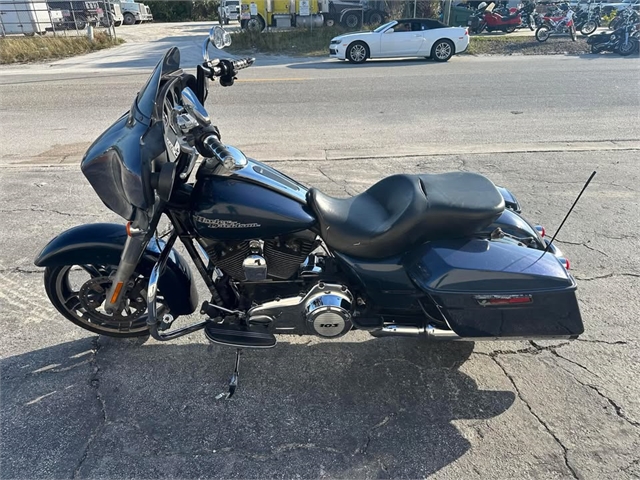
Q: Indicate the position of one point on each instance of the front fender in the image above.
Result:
(102, 244)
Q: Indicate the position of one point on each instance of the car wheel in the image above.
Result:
(330, 22)
(357, 52)
(442, 50)
(351, 20)
(129, 19)
(81, 22)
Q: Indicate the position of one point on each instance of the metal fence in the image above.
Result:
(66, 18)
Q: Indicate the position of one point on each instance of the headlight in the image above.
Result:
(336, 41)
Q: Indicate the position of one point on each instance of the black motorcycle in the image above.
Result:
(588, 21)
(529, 18)
(624, 40)
(438, 256)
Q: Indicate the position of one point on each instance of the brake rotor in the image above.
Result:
(93, 294)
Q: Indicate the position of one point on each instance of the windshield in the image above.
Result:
(385, 26)
(146, 99)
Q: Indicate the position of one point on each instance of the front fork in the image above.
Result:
(134, 247)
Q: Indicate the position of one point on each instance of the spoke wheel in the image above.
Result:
(442, 51)
(357, 52)
(79, 291)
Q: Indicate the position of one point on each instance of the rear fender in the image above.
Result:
(102, 244)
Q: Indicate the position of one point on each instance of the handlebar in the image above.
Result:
(224, 67)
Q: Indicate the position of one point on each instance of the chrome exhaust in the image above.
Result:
(430, 332)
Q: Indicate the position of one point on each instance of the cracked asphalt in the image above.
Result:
(75, 405)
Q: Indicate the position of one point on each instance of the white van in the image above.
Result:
(27, 17)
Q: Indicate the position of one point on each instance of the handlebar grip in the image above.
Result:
(217, 149)
(243, 63)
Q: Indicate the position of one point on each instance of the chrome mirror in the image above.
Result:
(219, 37)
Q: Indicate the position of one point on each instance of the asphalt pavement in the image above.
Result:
(76, 405)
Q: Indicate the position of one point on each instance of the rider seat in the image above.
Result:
(403, 211)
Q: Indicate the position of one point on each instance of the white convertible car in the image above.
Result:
(413, 37)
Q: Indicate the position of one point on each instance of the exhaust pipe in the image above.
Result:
(430, 331)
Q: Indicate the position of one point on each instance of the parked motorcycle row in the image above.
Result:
(623, 36)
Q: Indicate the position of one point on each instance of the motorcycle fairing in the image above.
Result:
(102, 243)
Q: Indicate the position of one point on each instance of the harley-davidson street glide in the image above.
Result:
(439, 256)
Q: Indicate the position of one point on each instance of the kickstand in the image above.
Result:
(233, 381)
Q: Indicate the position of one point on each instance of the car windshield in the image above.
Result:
(384, 26)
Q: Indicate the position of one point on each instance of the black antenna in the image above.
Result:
(569, 212)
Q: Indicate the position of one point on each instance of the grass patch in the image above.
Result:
(306, 42)
(509, 45)
(31, 49)
(298, 42)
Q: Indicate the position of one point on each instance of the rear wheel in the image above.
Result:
(357, 52)
(81, 22)
(351, 20)
(79, 291)
(375, 18)
(442, 50)
(543, 33)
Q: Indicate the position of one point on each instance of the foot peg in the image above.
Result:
(239, 336)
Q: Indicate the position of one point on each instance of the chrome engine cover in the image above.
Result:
(325, 310)
(328, 310)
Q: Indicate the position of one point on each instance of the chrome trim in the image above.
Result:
(255, 171)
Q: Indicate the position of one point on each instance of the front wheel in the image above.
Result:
(79, 291)
(129, 19)
(255, 24)
(627, 48)
(357, 52)
(543, 33)
(589, 27)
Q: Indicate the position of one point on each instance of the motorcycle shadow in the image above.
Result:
(344, 409)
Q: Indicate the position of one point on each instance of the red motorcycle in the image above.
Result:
(557, 25)
(493, 21)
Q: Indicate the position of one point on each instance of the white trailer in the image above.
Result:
(26, 17)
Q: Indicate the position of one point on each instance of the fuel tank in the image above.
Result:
(253, 202)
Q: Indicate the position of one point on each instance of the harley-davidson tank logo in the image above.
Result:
(217, 223)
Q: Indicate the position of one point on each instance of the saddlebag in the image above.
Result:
(494, 289)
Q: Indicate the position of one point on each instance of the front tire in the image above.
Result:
(629, 47)
(357, 52)
(129, 19)
(543, 33)
(442, 50)
(77, 292)
(256, 24)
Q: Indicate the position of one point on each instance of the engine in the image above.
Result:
(325, 310)
(255, 260)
